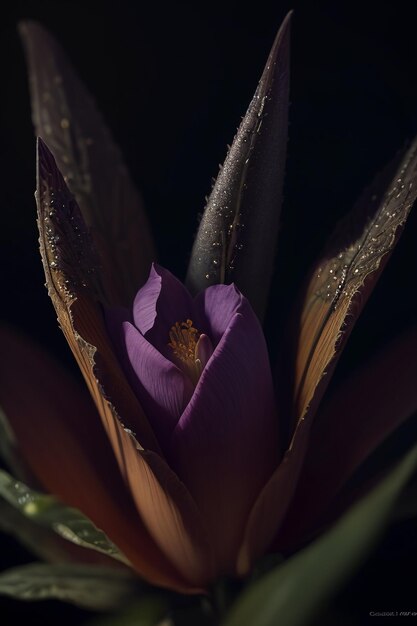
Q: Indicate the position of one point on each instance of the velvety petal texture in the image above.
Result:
(219, 428)
(161, 302)
(163, 389)
(225, 445)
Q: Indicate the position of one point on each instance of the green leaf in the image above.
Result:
(42, 542)
(296, 589)
(48, 512)
(95, 588)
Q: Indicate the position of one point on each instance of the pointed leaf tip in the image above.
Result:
(64, 114)
(242, 214)
(345, 275)
(66, 248)
(74, 284)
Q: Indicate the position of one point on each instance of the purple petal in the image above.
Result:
(161, 387)
(161, 302)
(217, 305)
(144, 306)
(225, 445)
(132, 349)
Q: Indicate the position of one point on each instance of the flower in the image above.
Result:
(201, 373)
(180, 462)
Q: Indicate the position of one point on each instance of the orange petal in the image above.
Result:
(169, 513)
(273, 502)
(71, 278)
(335, 294)
(64, 115)
(344, 278)
(61, 437)
(359, 415)
(165, 505)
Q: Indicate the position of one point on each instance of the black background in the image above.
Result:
(173, 80)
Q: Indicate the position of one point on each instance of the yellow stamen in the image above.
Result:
(186, 343)
(183, 338)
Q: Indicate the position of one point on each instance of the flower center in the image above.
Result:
(191, 349)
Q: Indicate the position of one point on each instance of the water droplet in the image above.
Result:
(30, 508)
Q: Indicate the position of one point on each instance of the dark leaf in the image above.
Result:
(236, 240)
(42, 542)
(65, 117)
(95, 588)
(48, 512)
